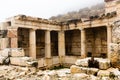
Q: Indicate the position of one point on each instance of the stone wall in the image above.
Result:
(96, 41)
(54, 43)
(40, 43)
(115, 46)
(23, 40)
(73, 42)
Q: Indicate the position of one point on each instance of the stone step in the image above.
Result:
(23, 61)
(103, 63)
(14, 52)
(76, 69)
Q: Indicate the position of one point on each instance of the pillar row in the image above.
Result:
(83, 43)
(109, 39)
(47, 44)
(32, 42)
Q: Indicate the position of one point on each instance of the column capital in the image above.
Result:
(81, 29)
(48, 30)
(33, 29)
(109, 25)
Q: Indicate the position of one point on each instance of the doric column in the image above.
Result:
(83, 43)
(32, 42)
(47, 44)
(61, 45)
(109, 39)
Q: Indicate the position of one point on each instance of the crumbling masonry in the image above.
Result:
(53, 43)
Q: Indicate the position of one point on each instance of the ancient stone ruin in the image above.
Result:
(35, 42)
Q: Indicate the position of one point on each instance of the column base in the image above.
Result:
(83, 56)
(48, 63)
(61, 59)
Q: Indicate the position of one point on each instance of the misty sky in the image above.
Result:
(41, 8)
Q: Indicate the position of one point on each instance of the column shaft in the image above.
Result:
(83, 43)
(47, 44)
(32, 42)
(61, 46)
(109, 39)
(61, 43)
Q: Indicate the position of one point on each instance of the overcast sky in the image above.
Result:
(41, 8)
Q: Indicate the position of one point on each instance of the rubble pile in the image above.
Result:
(25, 68)
(16, 56)
(103, 72)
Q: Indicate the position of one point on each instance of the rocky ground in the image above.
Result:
(31, 73)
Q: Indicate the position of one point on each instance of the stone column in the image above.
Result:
(61, 46)
(48, 49)
(109, 39)
(47, 44)
(83, 43)
(32, 42)
(13, 37)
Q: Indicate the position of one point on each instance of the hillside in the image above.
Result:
(82, 13)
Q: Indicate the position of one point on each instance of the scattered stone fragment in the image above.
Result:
(82, 62)
(17, 52)
(81, 76)
(104, 63)
(104, 73)
(75, 69)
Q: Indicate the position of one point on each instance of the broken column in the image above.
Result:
(61, 46)
(32, 42)
(83, 43)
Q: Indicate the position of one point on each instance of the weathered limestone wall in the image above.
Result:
(96, 41)
(23, 40)
(73, 42)
(115, 46)
(54, 43)
(40, 43)
(110, 6)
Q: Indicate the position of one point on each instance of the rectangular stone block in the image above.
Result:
(92, 71)
(82, 62)
(2, 59)
(4, 43)
(17, 52)
(23, 61)
(103, 63)
(14, 43)
(75, 69)
(19, 61)
(12, 33)
(5, 52)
